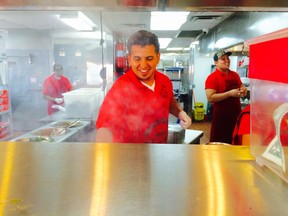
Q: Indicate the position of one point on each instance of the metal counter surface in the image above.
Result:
(83, 179)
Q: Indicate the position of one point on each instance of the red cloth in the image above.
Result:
(242, 126)
(284, 130)
(134, 113)
(54, 87)
(226, 112)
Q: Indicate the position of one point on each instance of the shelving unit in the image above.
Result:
(5, 103)
(174, 73)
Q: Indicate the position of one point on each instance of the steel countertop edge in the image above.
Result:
(136, 179)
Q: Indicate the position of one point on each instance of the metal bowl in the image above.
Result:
(50, 132)
(35, 139)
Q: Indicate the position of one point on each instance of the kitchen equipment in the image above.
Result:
(199, 111)
(35, 139)
(51, 132)
(176, 134)
(67, 124)
(83, 103)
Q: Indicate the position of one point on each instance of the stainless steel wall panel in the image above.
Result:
(242, 26)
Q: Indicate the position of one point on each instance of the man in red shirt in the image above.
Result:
(136, 108)
(54, 86)
(223, 90)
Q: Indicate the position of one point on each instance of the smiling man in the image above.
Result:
(137, 107)
(224, 90)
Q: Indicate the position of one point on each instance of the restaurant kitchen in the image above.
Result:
(77, 178)
(31, 49)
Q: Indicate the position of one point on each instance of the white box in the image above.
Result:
(83, 104)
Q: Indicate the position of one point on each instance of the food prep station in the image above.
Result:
(74, 122)
(59, 131)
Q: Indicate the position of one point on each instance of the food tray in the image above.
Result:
(50, 132)
(35, 139)
(67, 124)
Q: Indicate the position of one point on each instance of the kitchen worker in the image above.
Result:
(223, 90)
(54, 86)
(137, 107)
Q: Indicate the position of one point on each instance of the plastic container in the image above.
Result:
(269, 102)
(199, 115)
(83, 104)
(199, 111)
(199, 105)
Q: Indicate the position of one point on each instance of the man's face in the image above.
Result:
(223, 63)
(143, 61)
(59, 72)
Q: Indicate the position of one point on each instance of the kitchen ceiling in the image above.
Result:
(187, 33)
(125, 22)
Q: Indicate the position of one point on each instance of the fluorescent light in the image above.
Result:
(78, 21)
(226, 42)
(167, 20)
(174, 49)
(164, 42)
(195, 42)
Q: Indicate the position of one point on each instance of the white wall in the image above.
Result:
(29, 39)
(202, 70)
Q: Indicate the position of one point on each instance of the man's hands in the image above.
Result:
(239, 92)
(185, 120)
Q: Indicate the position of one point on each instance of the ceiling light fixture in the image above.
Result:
(167, 20)
(78, 21)
(174, 49)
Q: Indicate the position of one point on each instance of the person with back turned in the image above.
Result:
(223, 90)
(54, 86)
(136, 108)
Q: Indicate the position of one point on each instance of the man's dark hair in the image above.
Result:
(143, 38)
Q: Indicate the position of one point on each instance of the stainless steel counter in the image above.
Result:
(83, 179)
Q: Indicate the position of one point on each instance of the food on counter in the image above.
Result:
(67, 124)
(35, 139)
(51, 132)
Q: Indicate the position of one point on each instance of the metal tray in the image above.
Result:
(35, 139)
(50, 132)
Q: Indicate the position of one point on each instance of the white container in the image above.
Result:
(83, 104)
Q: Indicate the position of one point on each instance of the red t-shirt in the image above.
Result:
(134, 113)
(55, 88)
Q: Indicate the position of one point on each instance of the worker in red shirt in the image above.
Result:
(54, 86)
(137, 107)
(223, 90)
